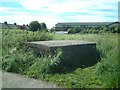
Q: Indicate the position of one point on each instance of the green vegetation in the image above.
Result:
(95, 30)
(19, 58)
(34, 26)
(16, 56)
(43, 26)
(74, 30)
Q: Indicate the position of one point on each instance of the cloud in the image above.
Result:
(4, 9)
(50, 20)
(12, 11)
(35, 4)
(10, 0)
(54, 11)
(68, 5)
(92, 18)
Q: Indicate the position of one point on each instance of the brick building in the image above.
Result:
(66, 25)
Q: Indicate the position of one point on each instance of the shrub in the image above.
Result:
(74, 30)
(15, 57)
(40, 36)
(108, 67)
(94, 31)
(102, 31)
(90, 30)
(70, 31)
(83, 31)
(52, 30)
(45, 65)
(87, 31)
(17, 61)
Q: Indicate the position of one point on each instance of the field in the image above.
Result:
(18, 58)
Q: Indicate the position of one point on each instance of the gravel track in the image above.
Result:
(12, 80)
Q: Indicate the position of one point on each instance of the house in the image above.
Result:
(5, 25)
(66, 25)
(8, 26)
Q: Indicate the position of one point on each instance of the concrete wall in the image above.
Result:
(79, 55)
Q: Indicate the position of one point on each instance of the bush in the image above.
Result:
(87, 31)
(52, 30)
(108, 68)
(90, 31)
(46, 65)
(94, 31)
(102, 31)
(40, 36)
(15, 57)
(17, 61)
(70, 31)
(74, 30)
(114, 29)
(83, 31)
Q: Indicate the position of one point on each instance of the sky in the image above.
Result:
(54, 11)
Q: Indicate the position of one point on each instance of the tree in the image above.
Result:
(76, 29)
(52, 29)
(5, 22)
(15, 23)
(43, 26)
(34, 26)
(70, 31)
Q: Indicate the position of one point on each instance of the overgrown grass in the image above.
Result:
(107, 44)
(17, 57)
(20, 59)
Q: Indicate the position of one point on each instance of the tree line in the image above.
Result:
(95, 30)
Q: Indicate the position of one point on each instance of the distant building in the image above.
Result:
(66, 25)
(114, 24)
(5, 25)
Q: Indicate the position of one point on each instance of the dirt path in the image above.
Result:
(11, 80)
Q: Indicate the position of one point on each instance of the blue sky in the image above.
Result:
(54, 11)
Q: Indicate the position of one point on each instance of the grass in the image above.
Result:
(20, 59)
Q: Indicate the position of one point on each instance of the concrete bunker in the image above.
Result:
(74, 53)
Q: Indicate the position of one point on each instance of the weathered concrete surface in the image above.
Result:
(12, 80)
(75, 53)
(58, 43)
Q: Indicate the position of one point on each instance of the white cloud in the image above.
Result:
(10, 0)
(4, 9)
(50, 20)
(91, 18)
(67, 5)
(56, 8)
(12, 11)
(35, 4)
